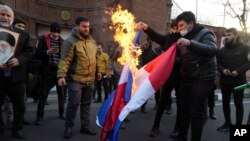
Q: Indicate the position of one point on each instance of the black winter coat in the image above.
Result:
(198, 59)
(234, 58)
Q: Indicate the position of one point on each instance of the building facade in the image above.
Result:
(38, 14)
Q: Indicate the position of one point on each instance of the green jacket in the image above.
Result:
(78, 59)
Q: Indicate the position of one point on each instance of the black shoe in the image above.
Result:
(123, 126)
(156, 107)
(169, 111)
(1, 131)
(154, 132)
(126, 120)
(174, 134)
(18, 134)
(223, 128)
(86, 130)
(46, 103)
(213, 116)
(39, 121)
(144, 111)
(26, 122)
(98, 101)
(67, 133)
(61, 117)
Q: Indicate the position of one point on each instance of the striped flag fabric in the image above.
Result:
(148, 80)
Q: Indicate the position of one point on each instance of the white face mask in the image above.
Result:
(184, 32)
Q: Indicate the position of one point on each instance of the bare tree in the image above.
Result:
(241, 14)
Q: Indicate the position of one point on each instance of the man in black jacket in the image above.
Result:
(169, 85)
(48, 51)
(13, 73)
(198, 70)
(232, 64)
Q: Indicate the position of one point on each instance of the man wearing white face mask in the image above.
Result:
(198, 70)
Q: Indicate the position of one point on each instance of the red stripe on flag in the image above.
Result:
(117, 105)
(161, 67)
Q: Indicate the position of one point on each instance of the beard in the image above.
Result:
(4, 23)
(5, 56)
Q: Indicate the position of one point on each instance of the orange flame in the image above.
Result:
(124, 24)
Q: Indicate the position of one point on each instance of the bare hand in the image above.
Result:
(61, 82)
(13, 62)
(109, 74)
(31, 76)
(182, 42)
(52, 51)
(234, 73)
(141, 25)
(99, 76)
(226, 72)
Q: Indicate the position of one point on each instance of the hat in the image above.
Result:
(18, 20)
(55, 27)
(8, 38)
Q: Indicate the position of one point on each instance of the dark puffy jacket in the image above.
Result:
(198, 59)
(234, 58)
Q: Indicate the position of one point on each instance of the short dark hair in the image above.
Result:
(232, 30)
(8, 38)
(173, 23)
(186, 16)
(18, 20)
(81, 19)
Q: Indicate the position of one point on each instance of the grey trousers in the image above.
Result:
(78, 94)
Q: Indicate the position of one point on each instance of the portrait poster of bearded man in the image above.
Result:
(8, 43)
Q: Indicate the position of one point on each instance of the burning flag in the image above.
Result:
(137, 85)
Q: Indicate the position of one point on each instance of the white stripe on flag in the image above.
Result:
(142, 94)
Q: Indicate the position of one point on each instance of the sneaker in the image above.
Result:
(224, 127)
(154, 132)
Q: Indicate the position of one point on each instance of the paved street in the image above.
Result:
(137, 130)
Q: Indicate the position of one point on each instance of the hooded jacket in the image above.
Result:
(78, 59)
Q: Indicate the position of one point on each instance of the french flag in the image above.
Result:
(147, 80)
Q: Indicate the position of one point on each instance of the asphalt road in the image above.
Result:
(137, 130)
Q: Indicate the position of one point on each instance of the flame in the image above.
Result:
(125, 31)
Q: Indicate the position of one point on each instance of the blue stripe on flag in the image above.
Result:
(103, 111)
(129, 87)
